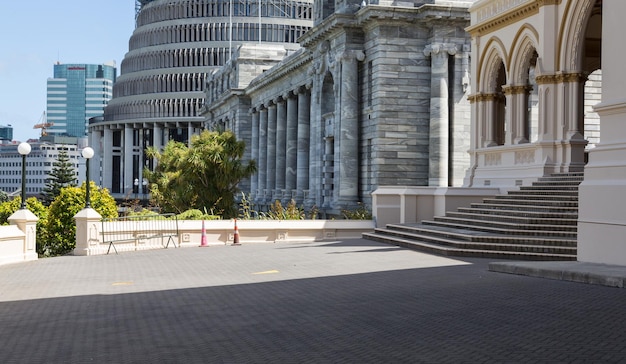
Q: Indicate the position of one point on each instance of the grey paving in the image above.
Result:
(353, 301)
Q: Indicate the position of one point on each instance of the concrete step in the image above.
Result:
(544, 193)
(504, 205)
(494, 228)
(529, 202)
(537, 222)
(514, 219)
(529, 195)
(521, 213)
(557, 182)
(481, 251)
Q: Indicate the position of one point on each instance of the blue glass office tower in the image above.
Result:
(76, 93)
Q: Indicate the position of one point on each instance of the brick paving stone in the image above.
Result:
(353, 301)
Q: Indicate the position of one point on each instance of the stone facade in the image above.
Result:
(376, 96)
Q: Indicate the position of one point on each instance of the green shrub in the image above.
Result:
(61, 226)
(360, 213)
(278, 212)
(195, 214)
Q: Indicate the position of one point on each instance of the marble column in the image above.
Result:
(489, 101)
(349, 130)
(254, 151)
(262, 166)
(315, 147)
(439, 134)
(292, 145)
(128, 159)
(107, 160)
(520, 120)
(302, 175)
(281, 146)
(270, 180)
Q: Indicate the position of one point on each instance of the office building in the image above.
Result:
(76, 93)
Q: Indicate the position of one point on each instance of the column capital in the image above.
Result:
(442, 49)
(350, 55)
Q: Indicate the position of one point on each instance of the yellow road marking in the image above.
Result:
(267, 272)
(122, 283)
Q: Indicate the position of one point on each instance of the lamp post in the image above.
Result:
(23, 149)
(87, 154)
(136, 189)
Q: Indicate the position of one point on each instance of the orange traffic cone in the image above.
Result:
(236, 235)
(203, 242)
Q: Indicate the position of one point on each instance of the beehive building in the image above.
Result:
(175, 44)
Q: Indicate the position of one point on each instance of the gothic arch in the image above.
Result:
(523, 51)
(572, 35)
(494, 56)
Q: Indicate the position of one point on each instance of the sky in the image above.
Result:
(35, 34)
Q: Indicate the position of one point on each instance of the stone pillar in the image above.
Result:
(292, 145)
(315, 150)
(262, 167)
(490, 119)
(281, 147)
(602, 205)
(26, 221)
(95, 142)
(88, 225)
(521, 119)
(128, 159)
(439, 113)
(107, 158)
(349, 130)
(270, 181)
(254, 151)
(304, 111)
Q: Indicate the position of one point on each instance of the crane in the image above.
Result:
(43, 124)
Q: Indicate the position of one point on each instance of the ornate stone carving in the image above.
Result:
(493, 159)
(525, 157)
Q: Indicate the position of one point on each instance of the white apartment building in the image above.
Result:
(39, 163)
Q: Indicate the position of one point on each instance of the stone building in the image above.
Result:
(377, 96)
(566, 43)
(161, 87)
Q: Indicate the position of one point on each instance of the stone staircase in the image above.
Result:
(536, 222)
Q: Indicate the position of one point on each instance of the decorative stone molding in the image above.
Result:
(493, 159)
(525, 157)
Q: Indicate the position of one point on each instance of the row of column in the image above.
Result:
(280, 145)
(290, 141)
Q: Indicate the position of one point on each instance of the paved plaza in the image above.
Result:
(352, 301)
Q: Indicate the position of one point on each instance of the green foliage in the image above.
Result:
(204, 176)
(360, 213)
(4, 197)
(246, 208)
(62, 175)
(279, 212)
(61, 227)
(195, 214)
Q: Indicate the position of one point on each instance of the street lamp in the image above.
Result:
(136, 184)
(87, 154)
(23, 149)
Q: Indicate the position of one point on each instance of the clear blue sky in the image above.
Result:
(35, 34)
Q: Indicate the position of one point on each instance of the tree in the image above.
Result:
(62, 175)
(204, 176)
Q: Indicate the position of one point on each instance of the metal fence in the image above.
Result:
(140, 232)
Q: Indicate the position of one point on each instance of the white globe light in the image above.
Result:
(23, 148)
(87, 152)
